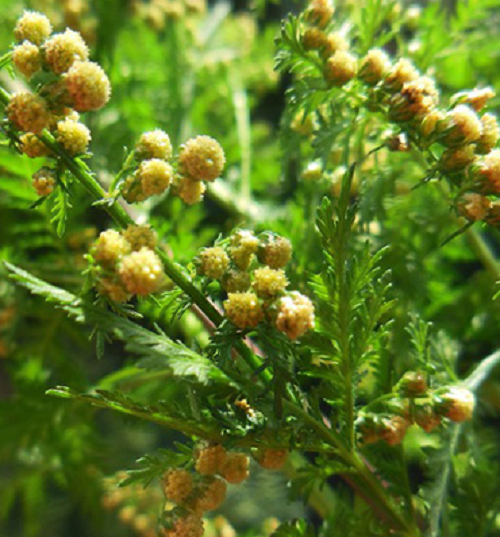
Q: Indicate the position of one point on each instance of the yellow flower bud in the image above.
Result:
(63, 50)
(33, 27)
(27, 59)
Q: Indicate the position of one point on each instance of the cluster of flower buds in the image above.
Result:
(157, 12)
(76, 85)
(194, 493)
(250, 270)
(137, 507)
(200, 159)
(419, 406)
(125, 263)
(463, 136)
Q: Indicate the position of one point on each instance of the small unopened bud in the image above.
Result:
(490, 134)
(44, 181)
(456, 159)
(33, 27)
(202, 158)
(457, 404)
(426, 418)
(486, 172)
(393, 430)
(213, 262)
(153, 144)
(243, 310)
(477, 98)
(340, 68)
(374, 66)
(412, 384)
(473, 206)
(295, 315)
(313, 39)
(271, 458)
(236, 468)
(27, 59)
(460, 126)
(401, 73)
(319, 13)
(274, 251)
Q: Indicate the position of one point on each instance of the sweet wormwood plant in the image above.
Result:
(297, 364)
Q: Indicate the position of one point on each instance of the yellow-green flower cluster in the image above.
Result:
(250, 270)
(125, 263)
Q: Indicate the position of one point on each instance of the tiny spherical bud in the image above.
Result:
(374, 66)
(110, 247)
(457, 158)
(340, 68)
(33, 27)
(155, 176)
(269, 282)
(426, 418)
(142, 272)
(274, 251)
(189, 190)
(63, 50)
(132, 191)
(272, 459)
(413, 16)
(236, 281)
(210, 459)
(213, 262)
(88, 86)
(153, 144)
(313, 39)
(127, 514)
(236, 469)
(486, 172)
(401, 73)
(202, 158)
(334, 42)
(460, 126)
(295, 315)
(430, 122)
(74, 137)
(28, 112)
(303, 124)
(177, 485)
(44, 181)
(416, 100)
(457, 404)
(243, 310)
(477, 98)
(368, 428)
(490, 134)
(190, 525)
(244, 245)
(112, 289)
(412, 384)
(33, 147)
(140, 237)
(393, 430)
(473, 206)
(213, 494)
(319, 13)
(313, 172)
(27, 59)
(243, 405)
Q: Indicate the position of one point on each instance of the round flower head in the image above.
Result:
(189, 190)
(155, 176)
(88, 86)
(412, 384)
(272, 459)
(142, 272)
(44, 181)
(334, 42)
(63, 50)
(212, 494)
(457, 404)
(27, 59)
(295, 315)
(473, 206)
(319, 13)
(393, 430)
(28, 112)
(243, 310)
(274, 251)
(202, 158)
(33, 147)
(417, 98)
(402, 72)
(374, 66)
(210, 459)
(236, 469)
(74, 137)
(33, 27)
(153, 144)
(457, 158)
(131, 190)
(177, 485)
(236, 281)
(110, 247)
(313, 39)
(489, 135)
(486, 172)
(188, 525)
(460, 126)
(477, 98)
(269, 282)
(340, 68)
(313, 172)
(243, 245)
(113, 290)
(430, 122)
(426, 418)
(140, 237)
(213, 262)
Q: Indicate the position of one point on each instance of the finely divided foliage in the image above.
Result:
(289, 303)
